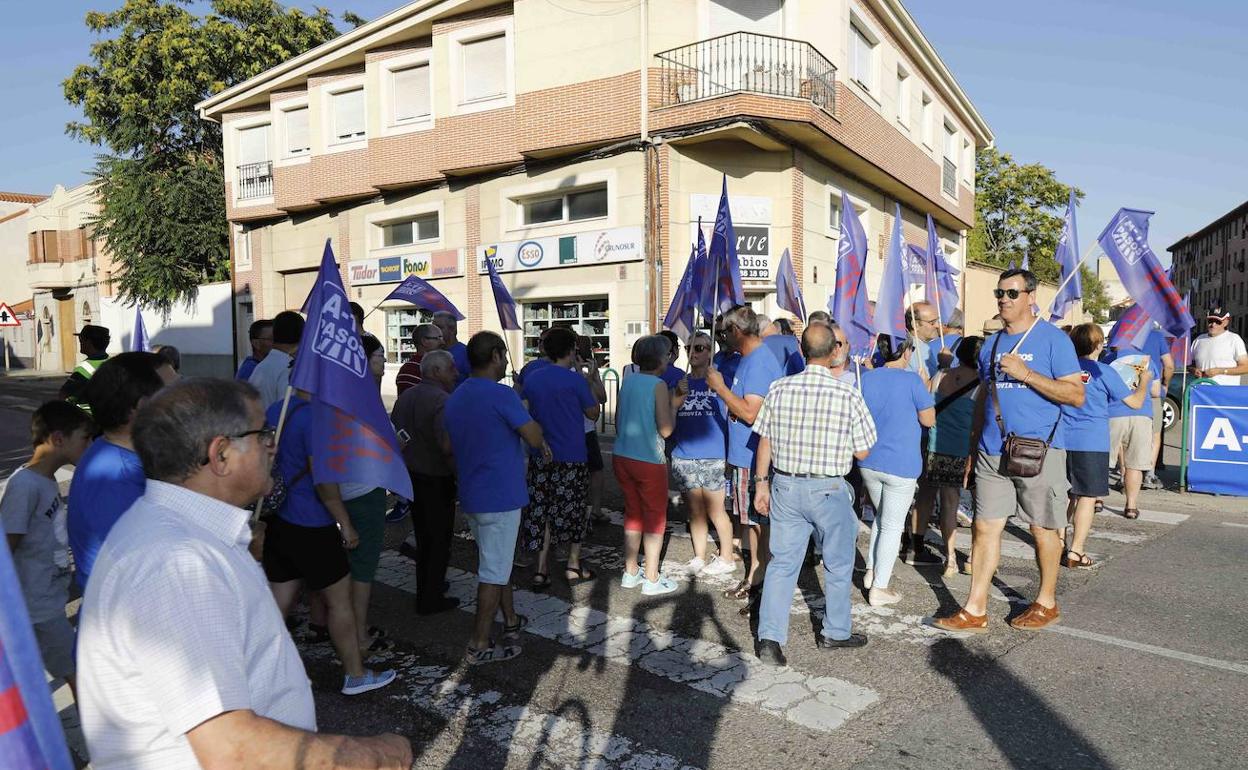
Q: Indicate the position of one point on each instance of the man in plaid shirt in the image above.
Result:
(811, 427)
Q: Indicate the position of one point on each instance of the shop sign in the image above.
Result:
(621, 244)
(751, 220)
(436, 264)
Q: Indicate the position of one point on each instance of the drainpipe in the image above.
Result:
(644, 35)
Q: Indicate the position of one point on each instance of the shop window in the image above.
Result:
(401, 332)
(588, 317)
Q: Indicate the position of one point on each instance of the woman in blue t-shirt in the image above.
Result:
(1086, 432)
(699, 446)
(901, 406)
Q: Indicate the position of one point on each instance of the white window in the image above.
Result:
(484, 69)
(836, 216)
(410, 94)
(949, 171)
(588, 203)
(862, 56)
(253, 145)
(925, 120)
(297, 140)
(903, 97)
(405, 232)
(347, 115)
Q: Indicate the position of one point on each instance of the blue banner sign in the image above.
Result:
(1218, 440)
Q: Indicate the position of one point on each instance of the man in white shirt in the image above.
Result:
(272, 375)
(1219, 354)
(183, 658)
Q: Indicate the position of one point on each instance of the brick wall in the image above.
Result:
(472, 215)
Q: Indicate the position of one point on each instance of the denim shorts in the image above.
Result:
(495, 534)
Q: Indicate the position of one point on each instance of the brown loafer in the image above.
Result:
(1036, 617)
(962, 621)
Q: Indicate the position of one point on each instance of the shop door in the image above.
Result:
(65, 327)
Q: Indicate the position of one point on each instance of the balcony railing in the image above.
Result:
(949, 178)
(255, 180)
(746, 62)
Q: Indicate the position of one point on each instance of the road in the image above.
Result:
(1148, 669)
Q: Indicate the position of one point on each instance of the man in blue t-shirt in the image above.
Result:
(1135, 434)
(110, 477)
(261, 335)
(757, 370)
(489, 427)
(1026, 384)
(449, 325)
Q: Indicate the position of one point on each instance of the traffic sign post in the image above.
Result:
(7, 318)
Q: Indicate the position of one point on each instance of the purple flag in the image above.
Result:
(30, 730)
(913, 264)
(788, 290)
(1067, 256)
(1131, 329)
(502, 298)
(935, 265)
(421, 293)
(348, 419)
(701, 284)
(139, 340)
(1026, 261)
(890, 303)
(848, 304)
(679, 316)
(1125, 241)
(722, 257)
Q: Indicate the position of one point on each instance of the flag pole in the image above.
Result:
(277, 438)
(1060, 287)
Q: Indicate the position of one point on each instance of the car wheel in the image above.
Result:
(1169, 413)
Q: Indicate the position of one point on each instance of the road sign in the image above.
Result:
(7, 316)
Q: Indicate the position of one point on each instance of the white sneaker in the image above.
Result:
(880, 597)
(868, 579)
(633, 580)
(663, 585)
(718, 566)
(694, 566)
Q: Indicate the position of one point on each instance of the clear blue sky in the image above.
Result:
(1138, 103)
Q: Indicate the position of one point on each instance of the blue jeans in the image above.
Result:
(800, 507)
(891, 495)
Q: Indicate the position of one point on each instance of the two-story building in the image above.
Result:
(577, 144)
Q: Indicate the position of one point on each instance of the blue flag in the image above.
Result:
(30, 730)
(722, 257)
(1026, 261)
(848, 304)
(701, 299)
(421, 293)
(349, 421)
(1067, 256)
(1131, 330)
(936, 265)
(788, 290)
(1125, 242)
(1013, 265)
(502, 298)
(890, 303)
(138, 340)
(679, 316)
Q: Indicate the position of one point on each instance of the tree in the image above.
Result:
(160, 180)
(1018, 211)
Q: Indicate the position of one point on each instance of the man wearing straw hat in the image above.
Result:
(1030, 371)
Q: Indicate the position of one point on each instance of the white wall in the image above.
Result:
(202, 332)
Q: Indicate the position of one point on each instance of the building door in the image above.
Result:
(66, 328)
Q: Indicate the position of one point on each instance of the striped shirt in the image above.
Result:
(815, 424)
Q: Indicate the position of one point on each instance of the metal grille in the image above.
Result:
(949, 178)
(746, 62)
(255, 180)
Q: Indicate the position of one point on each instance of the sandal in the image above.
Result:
(1131, 513)
(540, 581)
(1076, 560)
(511, 633)
(579, 575)
(492, 654)
(1099, 507)
(740, 592)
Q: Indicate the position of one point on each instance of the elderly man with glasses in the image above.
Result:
(1219, 354)
(428, 338)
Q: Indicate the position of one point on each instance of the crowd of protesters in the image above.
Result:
(183, 655)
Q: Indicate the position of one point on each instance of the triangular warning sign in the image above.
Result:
(7, 316)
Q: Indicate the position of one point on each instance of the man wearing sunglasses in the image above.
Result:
(1219, 354)
(1032, 381)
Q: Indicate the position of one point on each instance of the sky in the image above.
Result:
(1139, 103)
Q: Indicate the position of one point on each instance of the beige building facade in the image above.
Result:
(578, 152)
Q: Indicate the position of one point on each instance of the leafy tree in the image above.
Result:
(160, 178)
(1018, 211)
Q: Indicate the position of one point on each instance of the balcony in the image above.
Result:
(57, 274)
(745, 62)
(254, 180)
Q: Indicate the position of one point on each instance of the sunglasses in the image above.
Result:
(699, 348)
(1011, 293)
(1215, 321)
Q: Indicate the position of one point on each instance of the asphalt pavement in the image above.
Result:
(1148, 668)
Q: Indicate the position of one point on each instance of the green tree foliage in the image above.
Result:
(160, 177)
(1018, 211)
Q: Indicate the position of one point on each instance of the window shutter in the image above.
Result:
(297, 131)
(862, 58)
(411, 93)
(253, 145)
(349, 114)
(485, 68)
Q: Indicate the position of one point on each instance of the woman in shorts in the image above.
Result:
(1086, 431)
(699, 447)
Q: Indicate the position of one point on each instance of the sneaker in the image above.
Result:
(371, 680)
(770, 652)
(718, 566)
(881, 597)
(399, 512)
(921, 556)
(663, 585)
(694, 566)
(868, 579)
(964, 520)
(633, 580)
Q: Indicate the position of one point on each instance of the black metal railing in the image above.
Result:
(949, 178)
(255, 180)
(746, 62)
